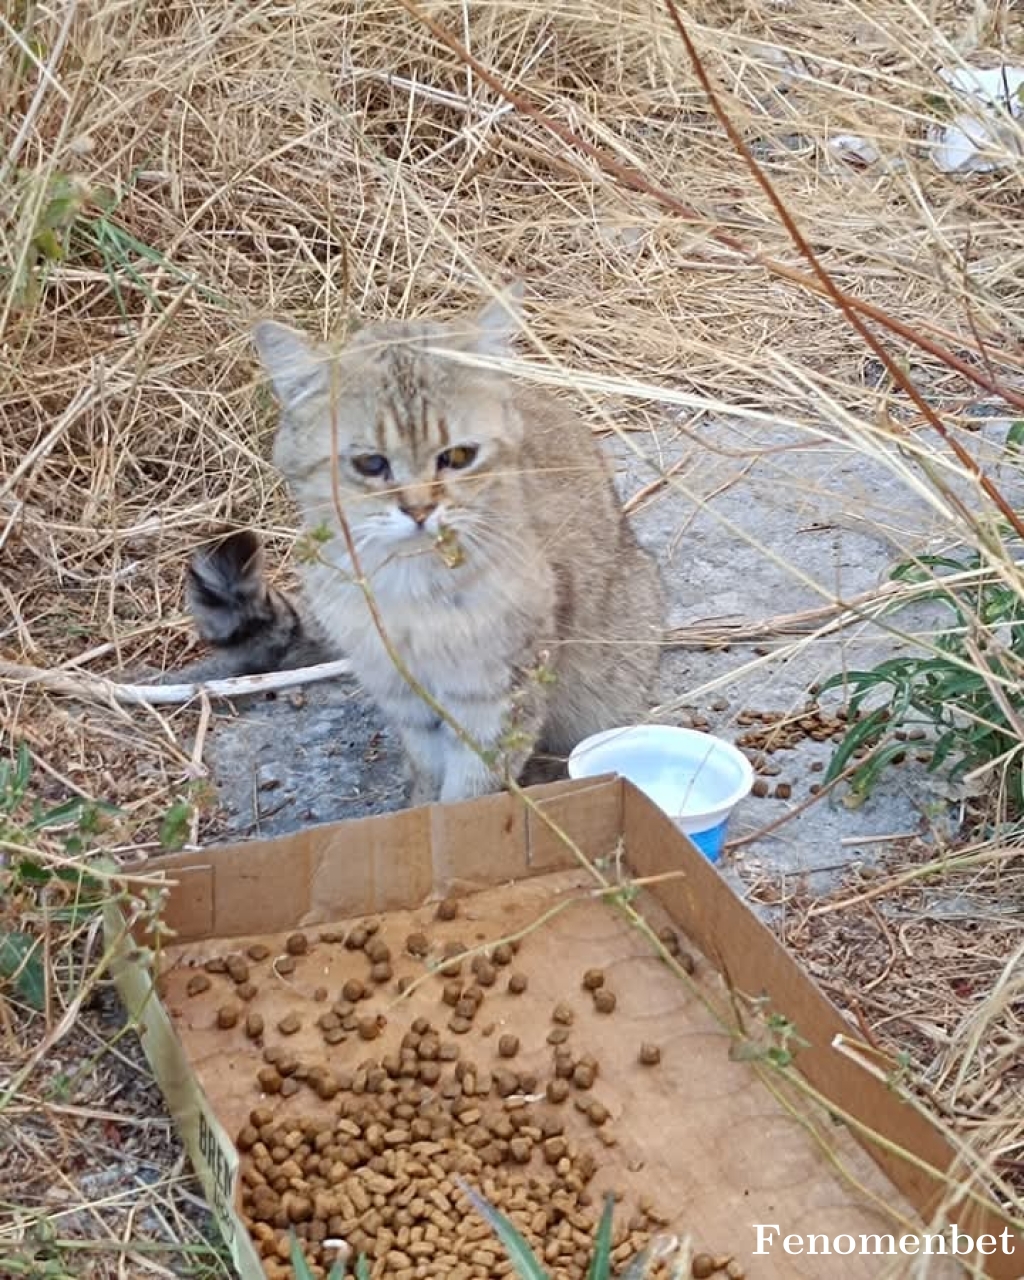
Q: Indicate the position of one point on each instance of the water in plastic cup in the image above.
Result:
(696, 778)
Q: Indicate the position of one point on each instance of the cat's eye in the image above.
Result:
(371, 465)
(459, 456)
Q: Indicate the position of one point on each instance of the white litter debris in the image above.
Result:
(983, 139)
(853, 149)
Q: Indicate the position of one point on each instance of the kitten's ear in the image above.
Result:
(296, 368)
(498, 322)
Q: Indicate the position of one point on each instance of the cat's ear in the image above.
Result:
(296, 368)
(498, 323)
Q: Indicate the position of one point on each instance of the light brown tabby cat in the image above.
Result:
(485, 522)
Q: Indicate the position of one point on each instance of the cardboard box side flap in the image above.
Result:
(376, 864)
(212, 1153)
(752, 960)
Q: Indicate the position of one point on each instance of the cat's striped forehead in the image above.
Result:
(412, 398)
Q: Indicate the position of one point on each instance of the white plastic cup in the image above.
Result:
(696, 778)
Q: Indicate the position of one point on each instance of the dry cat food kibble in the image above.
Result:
(447, 909)
(378, 1165)
(227, 1016)
(381, 1171)
(703, 1266)
(197, 984)
(604, 1000)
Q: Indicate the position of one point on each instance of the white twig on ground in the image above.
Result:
(103, 690)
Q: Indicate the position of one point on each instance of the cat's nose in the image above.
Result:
(420, 514)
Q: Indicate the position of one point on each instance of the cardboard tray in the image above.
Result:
(716, 1132)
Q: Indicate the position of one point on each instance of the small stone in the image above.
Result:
(267, 777)
(783, 790)
(759, 789)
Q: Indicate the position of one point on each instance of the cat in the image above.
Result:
(487, 529)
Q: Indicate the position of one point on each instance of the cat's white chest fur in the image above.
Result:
(450, 626)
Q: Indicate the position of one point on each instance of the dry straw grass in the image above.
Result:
(330, 162)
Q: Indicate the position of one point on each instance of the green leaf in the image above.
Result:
(1015, 440)
(362, 1269)
(21, 960)
(601, 1263)
(49, 245)
(300, 1267)
(60, 815)
(518, 1251)
(175, 825)
(865, 732)
(864, 780)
